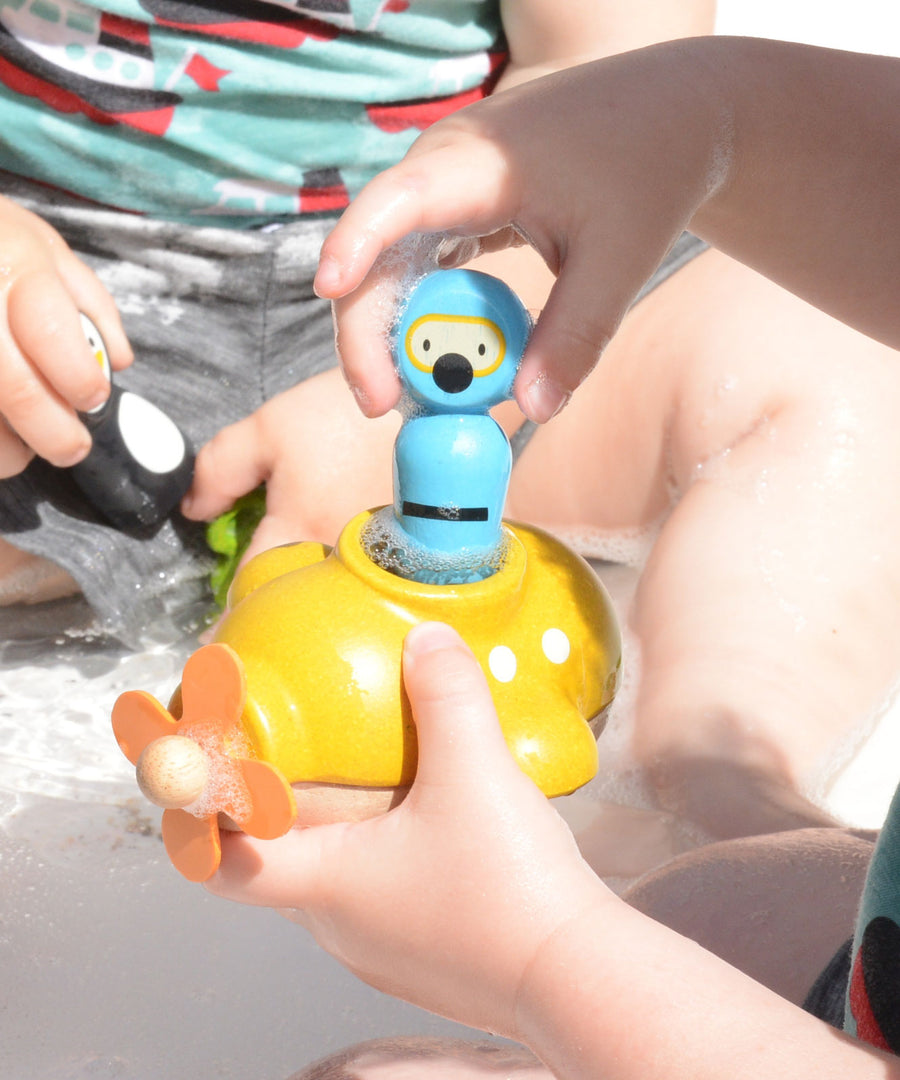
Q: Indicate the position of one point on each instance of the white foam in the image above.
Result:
(627, 547)
(856, 782)
(396, 273)
(225, 789)
(390, 547)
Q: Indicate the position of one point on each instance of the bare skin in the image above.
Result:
(767, 607)
(776, 907)
(470, 899)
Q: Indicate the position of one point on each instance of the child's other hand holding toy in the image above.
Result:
(47, 370)
(304, 444)
(471, 900)
(384, 896)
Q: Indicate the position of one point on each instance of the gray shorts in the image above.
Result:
(220, 321)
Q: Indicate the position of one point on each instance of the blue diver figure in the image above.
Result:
(457, 347)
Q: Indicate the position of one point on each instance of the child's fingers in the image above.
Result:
(282, 873)
(428, 192)
(48, 371)
(91, 297)
(35, 414)
(14, 454)
(236, 460)
(364, 351)
(44, 320)
(41, 420)
(396, 203)
(587, 303)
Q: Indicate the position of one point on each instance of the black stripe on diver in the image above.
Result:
(444, 513)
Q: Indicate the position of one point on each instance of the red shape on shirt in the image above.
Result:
(321, 198)
(394, 117)
(153, 121)
(206, 75)
(23, 82)
(867, 1027)
(289, 33)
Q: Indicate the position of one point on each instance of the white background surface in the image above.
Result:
(863, 25)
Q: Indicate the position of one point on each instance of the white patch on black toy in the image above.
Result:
(140, 464)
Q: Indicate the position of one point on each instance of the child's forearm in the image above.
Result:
(635, 1001)
(811, 197)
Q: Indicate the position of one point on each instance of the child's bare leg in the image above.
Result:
(778, 907)
(31, 579)
(768, 609)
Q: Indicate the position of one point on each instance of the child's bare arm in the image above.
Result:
(47, 371)
(783, 155)
(471, 899)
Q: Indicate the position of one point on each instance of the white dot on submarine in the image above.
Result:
(555, 645)
(502, 663)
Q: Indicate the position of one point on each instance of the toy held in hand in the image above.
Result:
(140, 464)
(311, 642)
(457, 349)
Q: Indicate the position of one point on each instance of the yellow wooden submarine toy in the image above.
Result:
(296, 713)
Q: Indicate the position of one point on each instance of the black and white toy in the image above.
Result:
(140, 464)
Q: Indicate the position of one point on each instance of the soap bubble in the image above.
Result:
(389, 546)
(397, 271)
(225, 788)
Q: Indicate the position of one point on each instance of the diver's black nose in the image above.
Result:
(452, 373)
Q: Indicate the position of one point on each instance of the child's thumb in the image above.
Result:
(456, 722)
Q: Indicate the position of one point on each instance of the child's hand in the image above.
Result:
(602, 166)
(470, 899)
(445, 900)
(306, 444)
(47, 371)
(499, 172)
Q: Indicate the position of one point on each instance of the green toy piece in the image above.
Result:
(229, 537)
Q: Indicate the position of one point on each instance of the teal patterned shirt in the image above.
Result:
(231, 112)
